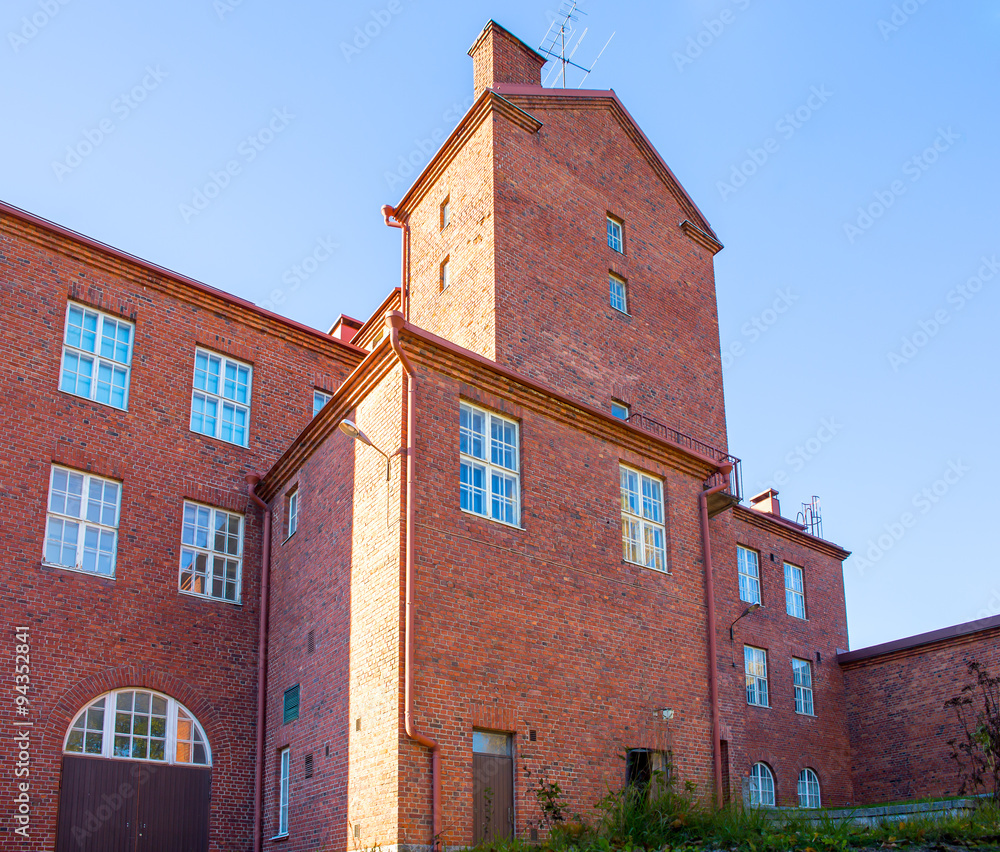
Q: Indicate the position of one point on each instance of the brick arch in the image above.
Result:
(79, 696)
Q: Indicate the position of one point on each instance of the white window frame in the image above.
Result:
(795, 595)
(98, 358)
(108, 729)
(445, 274)
(84, 520)
(623, 407)
(320, 399)
(293, 512)
(755, 668)
(803, 685)
(445, 212)
(498, 466)
(618, 290)
(616, 234)
(210, 553)
(284, 789)
(808, 789)
(749, 574)
(762, 786)
(644, 532)
(220, 400)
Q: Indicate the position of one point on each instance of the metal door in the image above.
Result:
(492, 786)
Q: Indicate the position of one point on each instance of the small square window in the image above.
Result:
(616, 234)
(755, 663)
(619, 410)
(293, 512)
(749, 572)
(320, 398)
(445, 212)
(96, 356)
(290, 705)
(616, 287)
(444, 274)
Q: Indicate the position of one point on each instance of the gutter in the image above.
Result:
(713, 672)
(394, 220)
(397, 321)
(265, 594)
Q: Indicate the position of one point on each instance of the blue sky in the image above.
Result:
(845, 153)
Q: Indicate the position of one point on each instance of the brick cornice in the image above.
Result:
(47, 235)
(784, 529)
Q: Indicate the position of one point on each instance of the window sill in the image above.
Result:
(664, 571)
(288, 538)
(619, 311)
(760, 706)
(209, 598)
(77, 570)
(807, 715)
(492, 520)
(245, 446)
(280, 836)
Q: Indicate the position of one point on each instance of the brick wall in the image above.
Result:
(91, 634)
(898, 722)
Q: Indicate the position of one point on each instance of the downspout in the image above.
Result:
(713, 673)
(393, 221)
(397, 322)
(265, 593)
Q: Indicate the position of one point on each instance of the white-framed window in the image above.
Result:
(445, 274)
(220, 401)
(643, 531)
(616, 287)
(96, 356)
(138, 724)
(293, 512)
(615, 237)
(620, 410)
(489, 474)
(445, 212)
(803, 682)
(284, 772)
(211, 552)
(795, 591)
(320, 398)
(761, 786)
(749, 571)
(755, 663)
(808, 789)
(81, 528)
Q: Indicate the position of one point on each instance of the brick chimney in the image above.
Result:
(766, 501)
(499, 57)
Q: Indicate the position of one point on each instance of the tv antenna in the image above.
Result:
(562, 30)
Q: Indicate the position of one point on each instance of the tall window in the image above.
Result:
(755, 663)
(643, 534)
(137, 724)
(808, 789)
(615, 239)
(795, 596)
(445, 274)
(761, 786)
(211, 552)
(284, 771)
(320, 398)
(81, 530)
(803, 682)
(293, 512)
(220, 401)
(445, 212)
(749, 571)
(490, 479)
(97, 354)
(617, 288)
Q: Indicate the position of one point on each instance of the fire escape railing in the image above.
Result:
(654, 427)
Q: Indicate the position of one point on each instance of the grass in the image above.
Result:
(628, 821)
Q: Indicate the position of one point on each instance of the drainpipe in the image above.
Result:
(393, 221)
(397, 321)
(713, 674)
(265, 591)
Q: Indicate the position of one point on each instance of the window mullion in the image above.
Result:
(107, 746)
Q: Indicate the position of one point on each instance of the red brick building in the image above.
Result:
(297, 590)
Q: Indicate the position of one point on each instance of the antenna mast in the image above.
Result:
(554, 44)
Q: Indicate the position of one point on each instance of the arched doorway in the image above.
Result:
(136, 777)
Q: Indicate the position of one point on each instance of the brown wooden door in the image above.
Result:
(493, 797)
(132, 806)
